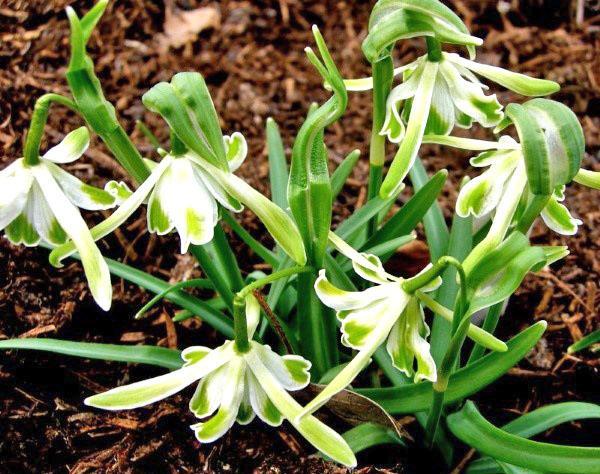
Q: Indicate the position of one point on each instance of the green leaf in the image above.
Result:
(343, 171)
(91, 19)
(464, 382)
(436, 229)
(407, 218)
(267, 255)
(367, 435)
(278, 170)
(361, 217)
(151, 355)
(473, 429)
(585, 342)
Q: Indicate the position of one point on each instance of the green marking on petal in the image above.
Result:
(21, 231)
(298, 369)
(158, 221)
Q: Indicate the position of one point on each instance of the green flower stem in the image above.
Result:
(262, 282)
(383, 76)
(240, 326)
(39, 118)
(434, 49)
(489, 325)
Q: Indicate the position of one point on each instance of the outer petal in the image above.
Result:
(278, 223)
(519, 83)
(22, 229)
(81, 194)
(261, 403)
(120, 215)
(407, 341)
(292, 371)
(208, 394)
(42, 218)
(217, 191)
(470, 99)
(314, 431)
(70, 148)
(15, 182)
(559, 219)
(233, 393)
(339, 300)
(149, 391)
(482, 194)
(96, 269)
(236, 150)
(442, 113)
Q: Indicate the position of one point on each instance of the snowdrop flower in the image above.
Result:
(507, 175)
(368, 318)
(183, 191)
(40, 201)
(234, 386)
(434, 96)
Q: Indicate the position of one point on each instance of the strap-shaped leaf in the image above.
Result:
(367, 435)
(566, 142)
(396, 20)
(343, 171)
(278, 168)
(151, 355)
(412, 398)
(473, 429)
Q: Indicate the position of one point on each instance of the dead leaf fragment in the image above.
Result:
(182, 26)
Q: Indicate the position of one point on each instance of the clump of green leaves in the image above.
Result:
(324, 279)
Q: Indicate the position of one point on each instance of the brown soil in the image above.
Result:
(252, 58)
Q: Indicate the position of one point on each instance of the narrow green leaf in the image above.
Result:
(343, 171)
(473, 429)
(464, 382)
(278, 169)
(367, 435)
(585, 342)
(267, 255)
(361, 217)
(436, 229)
(151, 355)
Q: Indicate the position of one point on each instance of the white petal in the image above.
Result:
(233, 393)
(217, 191)
(236, 150)
(441, 113)
(43, 219)
(261, 403)
(15, 183)
(314, 431)
(70, 148)
(67, 215)
(151, 390)
(208, 393)
(559, 219)
(252, 314)
(22, 231)
(292, 371)
(81, 194)
(339, 299)
(119, 216)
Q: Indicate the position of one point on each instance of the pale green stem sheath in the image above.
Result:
(119, 216)
(314, 431)
(68, 217)
(417, 121)
(475, 333)
(434, 49)
(502, 219)
(39, 118)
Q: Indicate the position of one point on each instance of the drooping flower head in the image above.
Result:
(39, 203)
(235, 386)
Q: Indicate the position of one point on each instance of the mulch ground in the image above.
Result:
(251, 54)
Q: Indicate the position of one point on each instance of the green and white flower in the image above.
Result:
(506, 176)
(39, 202)
(235, 386)
(183, 192)
(368, 318)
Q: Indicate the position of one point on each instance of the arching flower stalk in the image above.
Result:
(39, 202)
(235, 385)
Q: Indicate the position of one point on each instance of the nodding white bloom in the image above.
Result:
(434, 96)
(368, 318)
(182, 193)
(506, 175)
(235, 386)
(39, 202)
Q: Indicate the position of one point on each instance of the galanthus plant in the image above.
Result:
(326, 324)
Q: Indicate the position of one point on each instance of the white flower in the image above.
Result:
(483, 194)
(235, 386)
(369, 317)
(183, 192)
(40, 202)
